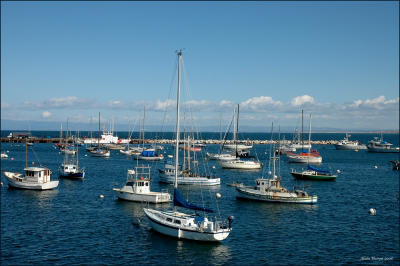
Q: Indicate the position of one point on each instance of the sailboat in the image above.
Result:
(237, 163)
(100, 152)
(35, 178)
(270, 190)
(305, 156)
(181, 224)
(70, 167)
(148, 154)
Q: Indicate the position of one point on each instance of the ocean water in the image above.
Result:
(73, 225)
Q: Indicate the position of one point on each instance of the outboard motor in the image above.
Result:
(230, 221)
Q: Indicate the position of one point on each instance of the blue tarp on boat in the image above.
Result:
(317, 170)
(148, 153)
(181, 202)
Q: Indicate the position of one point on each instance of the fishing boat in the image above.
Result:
(180, 224)
(346, 144)
(305, 156)
(313, 173)
(70, 167)
(378, 145)
(35, 177)
(99, 151)
(270, 190)
(137, 187)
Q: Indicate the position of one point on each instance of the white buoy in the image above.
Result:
(1, 183)
(101, 196)
(85, 155)
(356, 150)
(269, 172)
(372, 211)
(376, 166)
(213, 167)
(218, 195)
(338, 171)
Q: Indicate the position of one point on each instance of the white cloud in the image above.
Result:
(166, 105)
(260, 103)
(301, 100)
(46, 114)
(378, 103)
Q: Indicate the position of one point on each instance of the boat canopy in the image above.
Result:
(317, 170)
(148, 153)
(181, 202)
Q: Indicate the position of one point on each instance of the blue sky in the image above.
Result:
(337, 60)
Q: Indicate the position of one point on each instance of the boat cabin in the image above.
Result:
(268, 184)
(37, 174)
(69, 168)
(139, 180)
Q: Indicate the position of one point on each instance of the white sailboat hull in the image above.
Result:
(203, 181)
(285, 197)
(152, 197)
(158, 223)
(240, 164)
(304, 159)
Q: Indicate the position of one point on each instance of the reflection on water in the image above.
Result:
(40, 198)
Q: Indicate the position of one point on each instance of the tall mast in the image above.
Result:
(309, 141)
(236, 129)
(178, 96)
(302, 131)
(98, 140)
(26, 153)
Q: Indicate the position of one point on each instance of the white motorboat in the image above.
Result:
(378, 145)
(4, 156)
(240, 164)
(346, 144)
(182, 225)
(137, 187)
(70, 167)
(35, 177)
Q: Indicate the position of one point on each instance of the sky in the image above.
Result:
(338, 61)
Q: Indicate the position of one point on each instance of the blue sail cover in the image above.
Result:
(317, 170)
(148, 153)
(181, 202)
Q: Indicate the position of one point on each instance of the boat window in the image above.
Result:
(177, 221)
(262, 183)
(258, 183)
(66, 168)
(147, 184)
(169, 220)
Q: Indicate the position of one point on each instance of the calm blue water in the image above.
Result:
(72, 225)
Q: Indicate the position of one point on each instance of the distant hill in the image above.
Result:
(7, 124)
